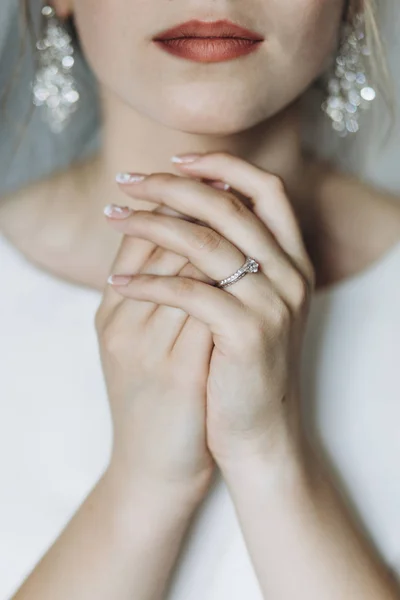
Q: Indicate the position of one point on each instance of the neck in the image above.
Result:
(132, 142)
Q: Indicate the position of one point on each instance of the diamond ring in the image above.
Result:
(250, 266)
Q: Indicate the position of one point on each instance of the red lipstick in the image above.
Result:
(208, 41)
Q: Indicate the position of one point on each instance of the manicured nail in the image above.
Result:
(185, 158)
(119, 279)
(220, 185)
(129, 177)
(117, 212)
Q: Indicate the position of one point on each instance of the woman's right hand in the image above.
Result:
(155, 361)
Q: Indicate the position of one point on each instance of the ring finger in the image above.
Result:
(206, 249)
(226, 214)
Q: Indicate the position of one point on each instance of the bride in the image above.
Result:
(200, 398)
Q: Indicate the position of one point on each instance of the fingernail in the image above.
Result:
(119, 279)
(129, 177)
(185, 158)
(117, 212)
(220, 185)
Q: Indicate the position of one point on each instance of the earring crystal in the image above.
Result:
(349, 90)
(54, 87)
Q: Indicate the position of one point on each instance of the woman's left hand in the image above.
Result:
(258, 322)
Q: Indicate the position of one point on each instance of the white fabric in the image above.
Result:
(55, 427)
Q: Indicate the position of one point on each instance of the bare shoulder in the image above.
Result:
(383, 216)
(26, 213)
(50, 222)
(381, 210)
(23, 199)
(358, 223)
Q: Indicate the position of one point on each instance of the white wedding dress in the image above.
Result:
(55, 427)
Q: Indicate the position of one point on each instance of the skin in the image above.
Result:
(195, 98)
(227, 361)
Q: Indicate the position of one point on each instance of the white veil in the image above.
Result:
(42, 152)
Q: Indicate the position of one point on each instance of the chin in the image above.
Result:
(207, 114)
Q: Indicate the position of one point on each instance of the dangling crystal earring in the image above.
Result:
(348, 88)
(54, 88)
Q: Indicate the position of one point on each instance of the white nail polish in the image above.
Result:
(129, 177)
(119, 279)
(113, 210)
(108, 210)
(185, 159)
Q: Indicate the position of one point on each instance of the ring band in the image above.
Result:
(250, 266)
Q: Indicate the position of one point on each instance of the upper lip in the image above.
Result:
(204, 29)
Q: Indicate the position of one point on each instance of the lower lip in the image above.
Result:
(208, 50)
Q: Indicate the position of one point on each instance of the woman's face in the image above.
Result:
(210, 98)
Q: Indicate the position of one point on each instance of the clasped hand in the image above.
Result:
(195, 373)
